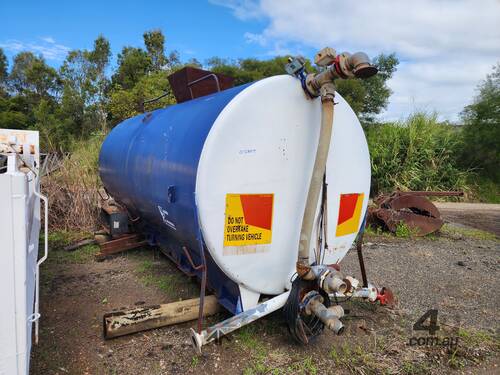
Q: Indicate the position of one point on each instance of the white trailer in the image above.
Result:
(19, 256)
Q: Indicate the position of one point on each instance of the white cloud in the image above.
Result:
(446, 46)
(48, 48)
(189, 51)
(242, 9)
(48, 39)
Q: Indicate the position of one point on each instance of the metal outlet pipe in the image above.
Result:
(369, 293)
(329, 316)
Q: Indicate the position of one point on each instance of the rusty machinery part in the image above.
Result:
(412, 208)
(189, 83)
(126, 242)
(303, 327)
(385, 199)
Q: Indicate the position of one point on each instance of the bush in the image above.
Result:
(416, 154)
(73, 188)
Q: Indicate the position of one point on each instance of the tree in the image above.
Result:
(354, 92)
(127, 103)
(13, 115)
(481, 133)
(367, 97)
(53, 128)
(100, 57)
(133, 64)
(193, 62)
(4, 64)
(155, 46)
(84, 87)
(30, 81)
(249, 70)
(31, 76)
(377, 91)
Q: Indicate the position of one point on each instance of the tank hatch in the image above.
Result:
(190, 83)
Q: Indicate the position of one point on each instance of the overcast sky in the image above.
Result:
(445, 47)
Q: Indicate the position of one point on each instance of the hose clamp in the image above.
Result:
(322, 278)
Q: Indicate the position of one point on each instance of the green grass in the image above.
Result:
(414, 368)
(172, 283)
(404, 231)
(248, 340)
(474, 346)
(60, 239)
(166, 283)
(84, 254)
(195, 360)
(354, 358)
(305, 366)
(419, 153)
(472, 233)
(373, 230)
(247, 337)
(477, 337)
(145, 266)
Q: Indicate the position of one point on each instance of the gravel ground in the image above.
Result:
(460, 278)
(451, 272)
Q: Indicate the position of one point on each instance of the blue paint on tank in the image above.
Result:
(149, 164)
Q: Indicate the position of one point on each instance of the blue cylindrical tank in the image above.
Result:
(149, 162)
(229, 173)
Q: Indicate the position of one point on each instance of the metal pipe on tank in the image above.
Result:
(327, 111)
(341, 66)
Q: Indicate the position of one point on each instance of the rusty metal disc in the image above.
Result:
(417, 212)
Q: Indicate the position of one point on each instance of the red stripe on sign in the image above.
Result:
(258, 209)
(347, 207)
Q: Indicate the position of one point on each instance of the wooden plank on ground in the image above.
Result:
(125, 322)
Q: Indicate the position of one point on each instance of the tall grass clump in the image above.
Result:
(418, 153)
(73, 188)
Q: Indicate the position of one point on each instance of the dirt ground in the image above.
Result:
(455, 272)
(476, 215)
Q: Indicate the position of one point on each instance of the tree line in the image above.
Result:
(86, 95)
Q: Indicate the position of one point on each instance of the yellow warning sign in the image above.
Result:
(248, 219)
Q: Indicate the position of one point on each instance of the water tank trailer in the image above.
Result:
(259, 190)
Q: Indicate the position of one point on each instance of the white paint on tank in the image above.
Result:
(264, 142)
